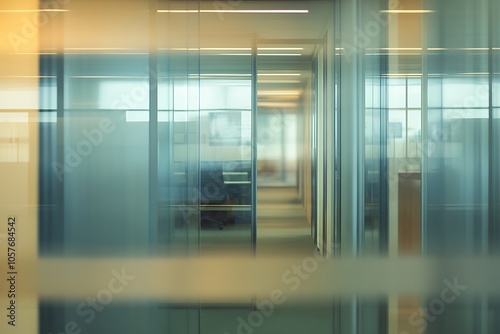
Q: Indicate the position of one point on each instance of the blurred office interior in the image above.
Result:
(326, 166)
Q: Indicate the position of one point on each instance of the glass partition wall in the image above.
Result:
(146, 150)
(461, 137)
(226, 155)
(96, 145)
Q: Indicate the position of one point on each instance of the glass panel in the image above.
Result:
(457, 147)
(102, 145)
(225, 151)
(495, 148)
(97, 172)
(397, 93)
(414, 92)
(456, 186)
(178, 140)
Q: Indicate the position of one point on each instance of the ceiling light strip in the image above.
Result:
(237, 11)
(280, 49)
(279, 74)
(407, 11)
(32, 10)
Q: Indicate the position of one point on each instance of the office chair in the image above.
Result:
(212, 191)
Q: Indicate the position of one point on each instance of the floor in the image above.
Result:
(282, 230)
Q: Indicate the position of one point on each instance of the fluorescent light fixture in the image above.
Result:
(398, 49)
(225, 49)
(407, 11)
(32, 10)
(279, 74)
(473, 73)
(107, 51)
(279, 54)
(280, 49)
(403, 74)
(179, 49)
(28, 76)
(458, 49)
(34, 53)
(106, 77)
(178, 11)
(205, 49)
(97, 49)
(279, 92)
(221, 75)
(259, 54)
(233, 49)
(257, 11)
(262, 81)
(277, 104)
(232, 54)
(237, 11)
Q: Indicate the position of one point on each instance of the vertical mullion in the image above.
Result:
(153, 126)
(360, 143)
(254, 147)
(406, 118)
(58, 232)
(424, 135)
(383, 172)
(491, 204)
(326, 146)
(313, 148)
(491, 235)
(153, 141)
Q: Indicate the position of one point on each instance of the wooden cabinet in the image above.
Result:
(409, 227)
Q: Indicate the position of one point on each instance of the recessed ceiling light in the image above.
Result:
(280, 49)
(32, 10)
(237, 11)
(28, 76)
(279, 74)
(278, 92)
(259, 54)
(221, 75)
(107, 77)
(403, 74)
(406, 11)
(225, 49)
(271, 81)
(277, 104)
(232, 54)
(279, 54)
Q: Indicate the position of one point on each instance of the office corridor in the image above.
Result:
(282, 227)
(282, 231)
